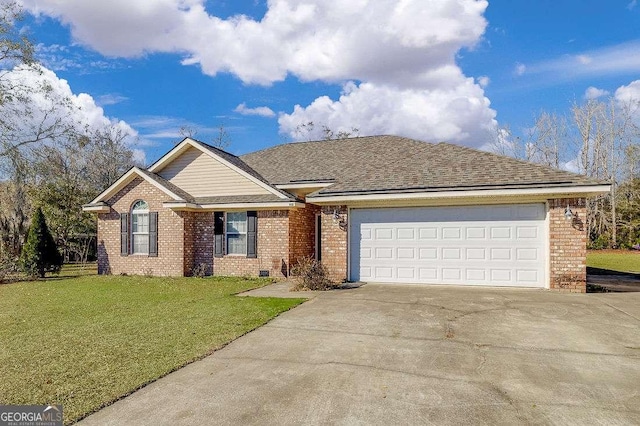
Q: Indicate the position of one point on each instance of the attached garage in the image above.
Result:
(494, 245)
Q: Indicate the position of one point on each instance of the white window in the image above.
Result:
(140, 227)
(236, 233)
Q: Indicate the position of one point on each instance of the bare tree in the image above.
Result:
(221, 140)
(546, 140)
(308, 132)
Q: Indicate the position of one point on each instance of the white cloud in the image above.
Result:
(460, 114)
(632, 5)
(608, 61)
(484, 81)
(594, 93)
(628, 93)
(402, 49)
(82, 108)
(262, 111)
(584, 59)
(111, 99)
(520, 69)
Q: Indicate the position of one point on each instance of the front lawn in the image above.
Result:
(612, 261)
(84, 342)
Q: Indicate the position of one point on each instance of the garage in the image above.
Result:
(493, 245)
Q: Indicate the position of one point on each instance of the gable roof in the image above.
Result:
(224, 157)
(164, 185)
(379, 164)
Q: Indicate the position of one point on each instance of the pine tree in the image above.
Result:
(40, 254)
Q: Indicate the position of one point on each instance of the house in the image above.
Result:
(373, 209)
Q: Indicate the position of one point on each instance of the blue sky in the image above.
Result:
(441, 70)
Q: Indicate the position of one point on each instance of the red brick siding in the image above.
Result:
(273, 249)
(334, 242)
(189, 243)
(203, 238)
(170, 260)
(567, 246)
(302, 233)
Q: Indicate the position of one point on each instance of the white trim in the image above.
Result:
(126, 178)
(182, 146)
(233, 206)
(348, 278)
(547, 220)
(132, 234)
(304, 185)
(548, 191)
(96, 209)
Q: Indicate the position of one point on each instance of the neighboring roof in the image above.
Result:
(392, 164)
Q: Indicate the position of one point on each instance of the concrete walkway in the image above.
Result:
(414, 355)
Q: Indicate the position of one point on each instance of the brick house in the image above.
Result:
(373, 209)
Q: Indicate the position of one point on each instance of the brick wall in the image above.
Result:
(302, 233)
(203, 241)
(170, 260)
(188, 242)
(334, 242)
(273, 249)
(568, 246)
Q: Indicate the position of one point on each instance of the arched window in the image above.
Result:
(140, 227)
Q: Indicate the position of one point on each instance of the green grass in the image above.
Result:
(87, 341)
(625, 261)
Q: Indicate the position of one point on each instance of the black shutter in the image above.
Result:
(252, 234)
(124, 234)
(218, 232)
(153, 234)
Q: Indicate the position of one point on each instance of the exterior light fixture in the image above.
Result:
(339, 220)
(568, 214)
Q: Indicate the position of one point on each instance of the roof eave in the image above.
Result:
(275, 205)
(547, 192)
(99, 207)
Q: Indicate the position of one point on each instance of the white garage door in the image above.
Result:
(502, 245)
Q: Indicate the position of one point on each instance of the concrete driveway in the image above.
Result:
(414, 355)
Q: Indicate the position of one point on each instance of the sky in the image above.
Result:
(433, 70)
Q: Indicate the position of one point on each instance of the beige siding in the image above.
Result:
(203, 176)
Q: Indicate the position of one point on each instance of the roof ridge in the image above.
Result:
(332, 140)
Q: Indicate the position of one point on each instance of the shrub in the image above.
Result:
(40, 254)
(310, 274)
(7, 266)
(201, 270)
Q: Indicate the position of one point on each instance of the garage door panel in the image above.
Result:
(489, 245)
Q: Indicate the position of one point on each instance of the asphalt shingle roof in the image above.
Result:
(392, 163)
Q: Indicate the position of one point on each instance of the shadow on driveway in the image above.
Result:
(612, 281)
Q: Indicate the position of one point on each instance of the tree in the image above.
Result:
(69, 174)
(308, 132)
(40, 254)
(221, 140)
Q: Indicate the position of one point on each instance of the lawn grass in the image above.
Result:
(86, 341)
(625, 261)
